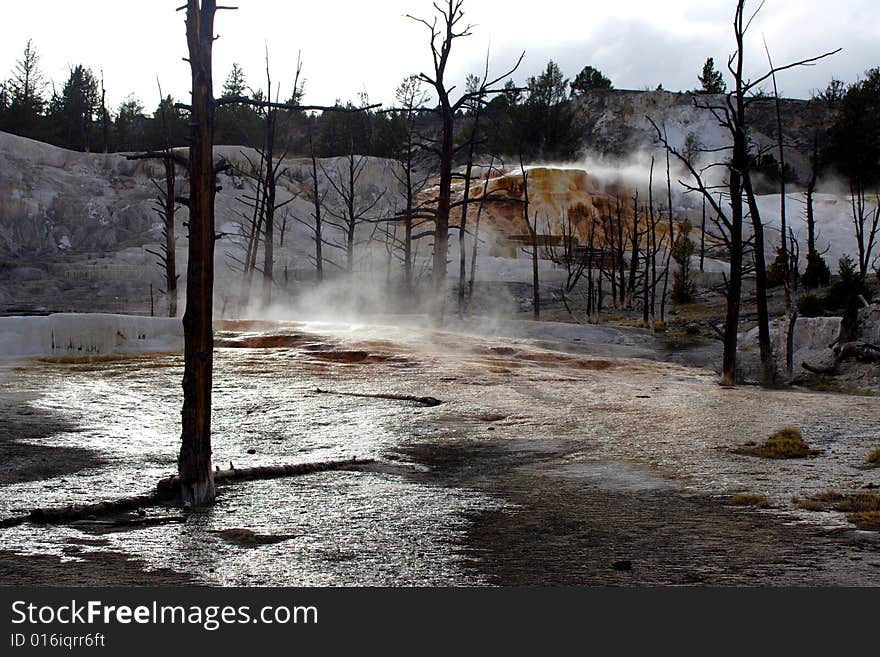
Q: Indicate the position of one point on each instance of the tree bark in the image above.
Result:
(194, 463)
(441, 221)
(739, 164)
(768, 372)
(269, 195)
(170, 243)
(811, 190)
(783, 222)
(319, 239)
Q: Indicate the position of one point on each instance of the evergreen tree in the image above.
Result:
(24, 95)
(549, 88)
(711, 80)
(549, 120)
(845, 293)
(237, 123)
(833, 94)
(73, 111)
(236, 82)
(817, 273)
(167, 124)
(855, 136)
(130, 125)
(683, 287)
(776, 270)
(588, 80)
(500, 121)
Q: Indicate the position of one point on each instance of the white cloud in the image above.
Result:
(351, 45)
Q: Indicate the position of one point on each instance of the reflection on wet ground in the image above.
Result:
(620, 427)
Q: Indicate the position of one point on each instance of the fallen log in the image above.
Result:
(73, 512)
(14, 521)
(167, 493)
(425, 401)
(224, 477)
(146, 521)
(863, 351)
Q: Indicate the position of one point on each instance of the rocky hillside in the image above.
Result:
(615, 123)
(75, 228)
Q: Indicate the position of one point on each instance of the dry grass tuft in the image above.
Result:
(862, 509)
(866, 520)
(786, 443)
(750, 499)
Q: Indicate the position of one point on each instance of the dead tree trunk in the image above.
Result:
(671, 242)
(170, 251)
(269, 222)
(533, 236)
(703, 236)
(654, 247)
(619, 256)
(476, 246)
(768, 373)
(444, 29)
(811, 190)
(105, 116)
(783, 223)
(866, 223)
(732, 115)
(316, 199)
(465, 202)
(194, 463)
(634, 238)
(356, 209)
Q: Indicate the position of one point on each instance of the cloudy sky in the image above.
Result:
(351, 46)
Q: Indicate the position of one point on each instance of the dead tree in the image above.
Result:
(615, 242)
(703, 236)
(768, 371)
(258, 225)
(862, 351)
(610, 240)
(571, 256)
(731, 115)
(670, 238)
(619, 255)
(194, 463)
(444, 29)
(410, 97)
(166, 207)
(654, 246)
(793, 250)
(635, 239)
(866, 222)
(264, 203)
(356, 208)
(480, 205)
(812, 255)
(105, 116)
(251, 226)
(532, 228)
(269, 192)
(474, 106)
(317, 197)
(783, 222)
(592, 303)
(465, 203)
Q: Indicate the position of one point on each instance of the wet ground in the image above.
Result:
(570, 465)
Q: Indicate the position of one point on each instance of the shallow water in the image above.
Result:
(621, 424)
